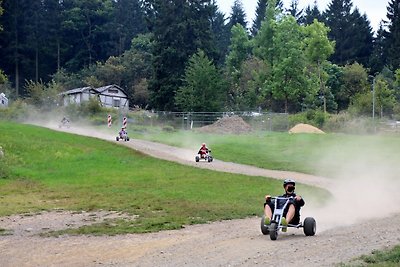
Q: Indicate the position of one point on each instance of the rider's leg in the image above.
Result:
(267, 213)
(290, 213)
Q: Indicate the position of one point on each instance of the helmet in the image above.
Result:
(203, 144)
(289, 181)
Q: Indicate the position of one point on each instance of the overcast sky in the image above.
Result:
(375, 9)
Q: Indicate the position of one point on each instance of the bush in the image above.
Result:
(168, 128)
(17, 111)
(316, 118)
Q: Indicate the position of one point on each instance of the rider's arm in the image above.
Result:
(300, 202)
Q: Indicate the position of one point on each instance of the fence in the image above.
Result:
(262, 121)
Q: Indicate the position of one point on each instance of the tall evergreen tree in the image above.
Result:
(14, 42)
(311, 13)
(393, 34)
(180, 28)
(238, 15)
(260, 16)
(378, 57)
(261, 13)
(128, 20)
(295, 11)
(221, 34)
(362, 38)
(351, 31)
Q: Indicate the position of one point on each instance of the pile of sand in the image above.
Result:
(305, 128)
(227, 125)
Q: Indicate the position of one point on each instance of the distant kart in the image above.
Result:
(207, 157)
(309, 224)
(64, 124)
(122, 137)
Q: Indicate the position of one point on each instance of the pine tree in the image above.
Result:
(260, 16)
(393, 34)
(378, 57)
(128, 20)
(295, 11)
(180, 28)
(261, 13)
(351, 31)
(238, 15)
(311, 13)
(220, 34)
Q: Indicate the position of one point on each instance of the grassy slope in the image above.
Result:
(44, 169)
(308, 153)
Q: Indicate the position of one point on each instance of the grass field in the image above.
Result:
(44, 170)
(307, 153)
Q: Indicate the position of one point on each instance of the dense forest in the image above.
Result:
(186, 55)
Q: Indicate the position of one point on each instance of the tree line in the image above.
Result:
(186, 55)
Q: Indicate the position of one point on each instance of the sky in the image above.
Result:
(375, 9)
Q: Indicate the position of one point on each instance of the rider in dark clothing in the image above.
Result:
(292, 211)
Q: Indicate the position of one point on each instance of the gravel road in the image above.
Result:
(341, 236)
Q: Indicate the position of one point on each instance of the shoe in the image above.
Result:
(284, 224)
(267, 221)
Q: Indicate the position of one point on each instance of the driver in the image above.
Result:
(203, 150)
(292, 211)
(122, 132)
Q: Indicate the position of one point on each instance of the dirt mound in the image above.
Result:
(305, 128)
(227, 125)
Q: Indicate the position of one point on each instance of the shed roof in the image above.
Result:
(79, 90)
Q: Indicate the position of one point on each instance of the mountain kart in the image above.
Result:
(280, 204)
(207, 157)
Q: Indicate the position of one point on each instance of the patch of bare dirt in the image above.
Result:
(227, 125)
(305, 128)
(29, 224)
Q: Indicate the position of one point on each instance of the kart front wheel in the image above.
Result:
(273, 231)
(197, 158)
(264, 228)
(117, 138)
(309, 226)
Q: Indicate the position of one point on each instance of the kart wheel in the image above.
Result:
(273, 231)
(117, 138)
(209, 159)
(264, 228)
(309, 226)
(127, 139)
(197, 159)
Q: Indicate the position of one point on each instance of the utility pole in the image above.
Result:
(373, 99)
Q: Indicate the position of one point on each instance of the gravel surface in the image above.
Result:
(339, 237)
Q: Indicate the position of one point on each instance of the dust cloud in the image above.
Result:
(365, 186)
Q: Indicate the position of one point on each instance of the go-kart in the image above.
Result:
(207, 157)
(280, 203)
(64, 123)
(122, 136)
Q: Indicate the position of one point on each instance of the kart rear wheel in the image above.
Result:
(273, 231)
(309, 226)
(127, 139)
(264, 228)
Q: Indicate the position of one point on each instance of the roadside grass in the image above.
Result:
(46, 170)
(378, 258)
(320, 154)
(385, 258)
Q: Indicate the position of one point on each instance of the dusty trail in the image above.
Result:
(226, 243)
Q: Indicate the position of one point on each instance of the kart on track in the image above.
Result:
(309, 224)
(207, 157)
(122, 137)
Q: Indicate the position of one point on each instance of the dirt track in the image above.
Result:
(227, 243)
